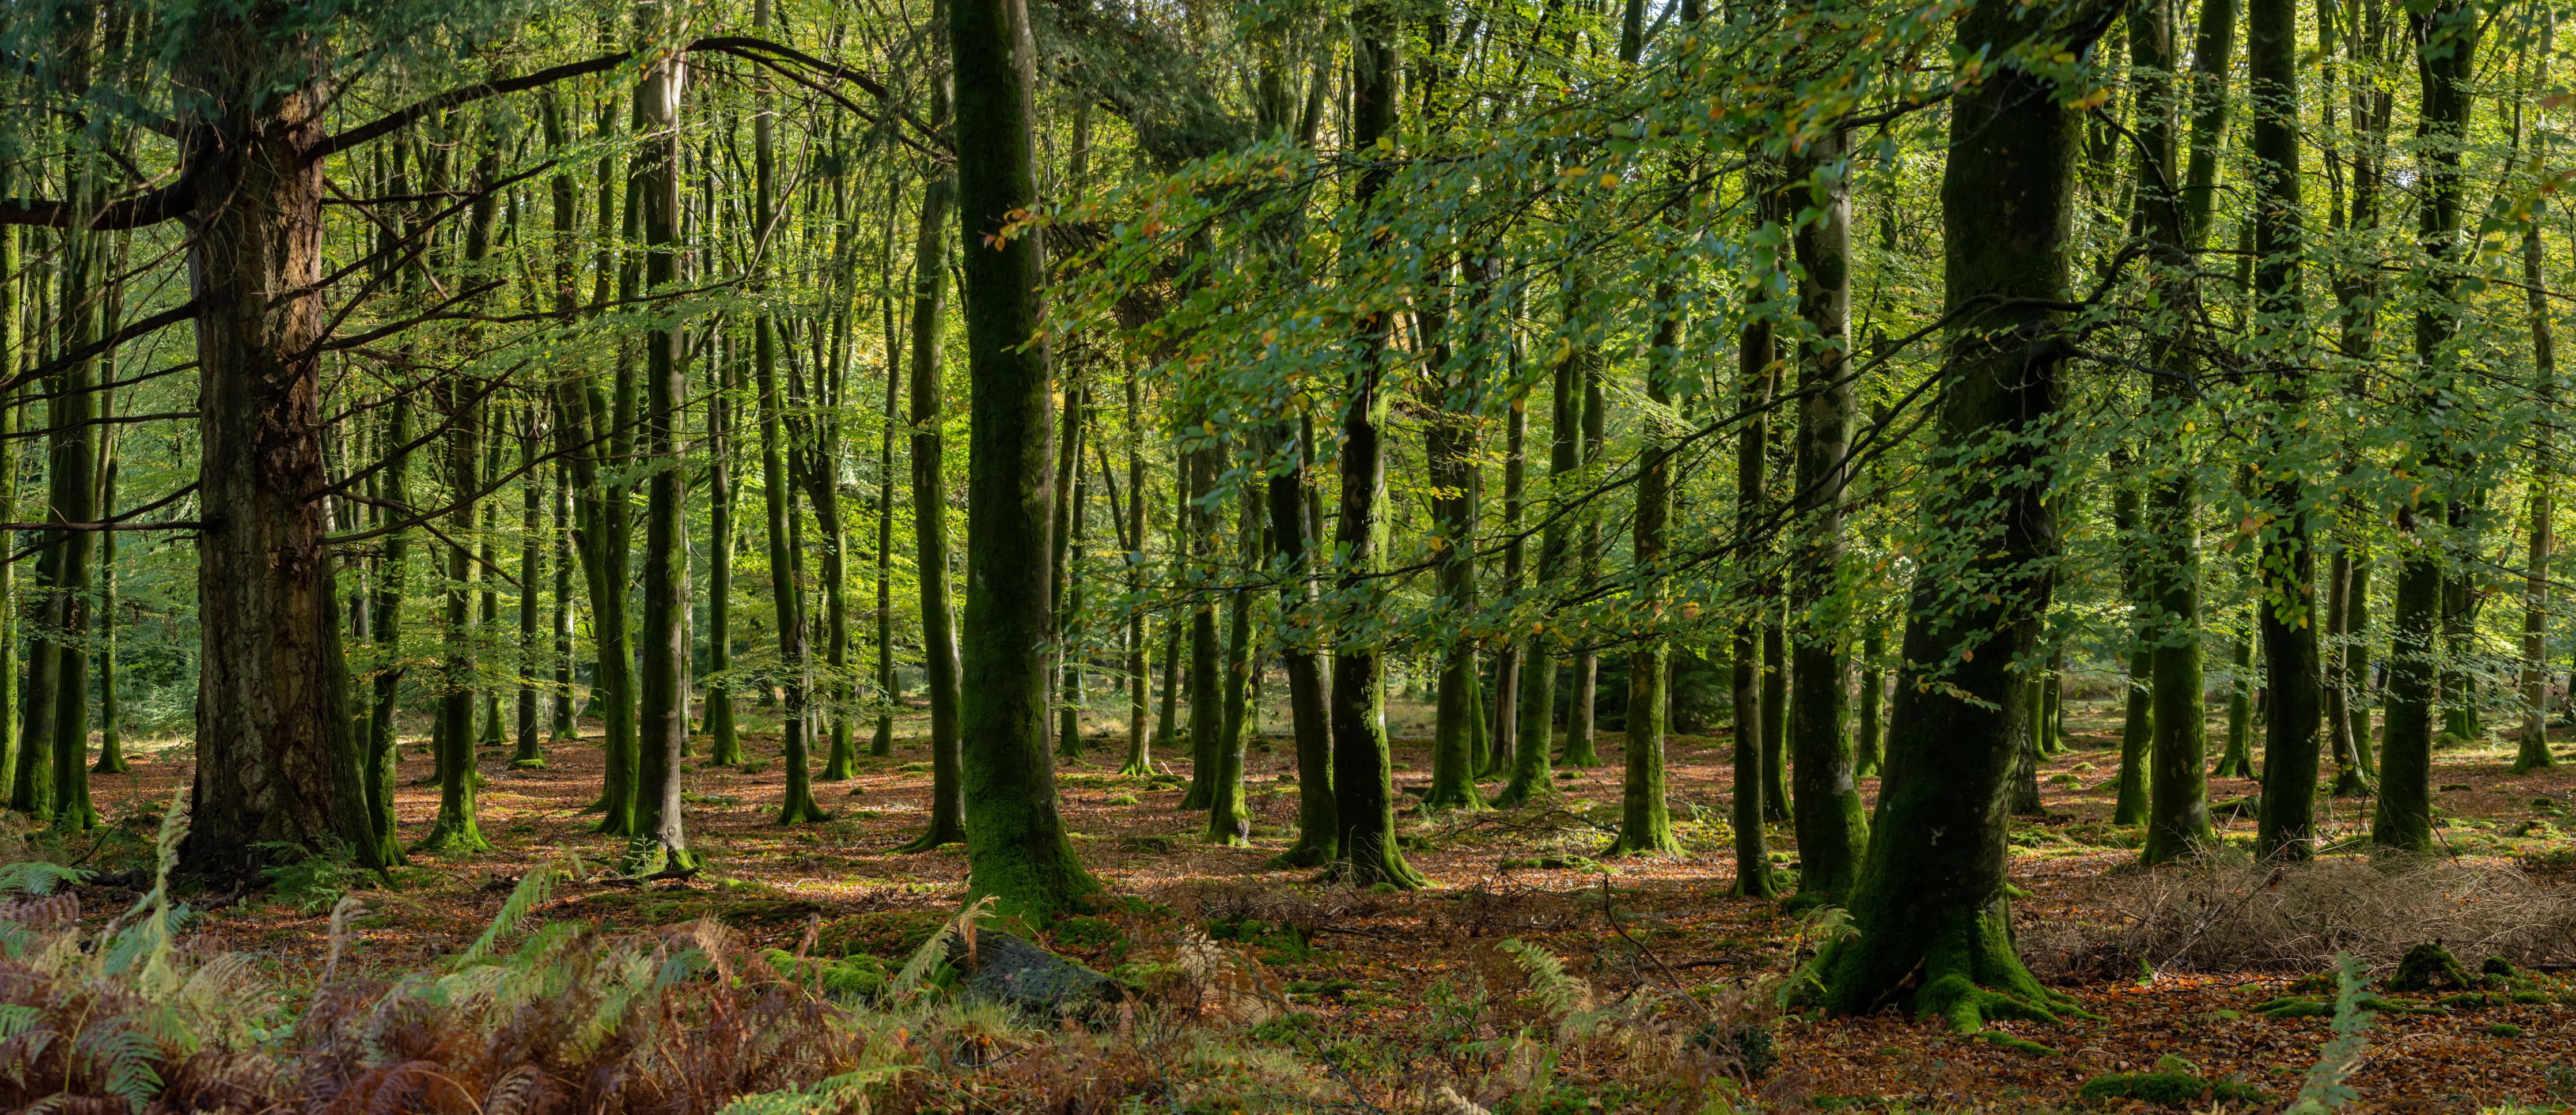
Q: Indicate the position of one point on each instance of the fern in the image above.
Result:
(36, 876)
(531, 893)
(1563, 995)
(908, 980)
(2325, 1089)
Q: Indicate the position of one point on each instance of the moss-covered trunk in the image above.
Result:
(1016, 845)
(1928, 906)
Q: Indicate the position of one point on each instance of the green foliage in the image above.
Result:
(2325, 1088)
(2429, 967)
(311, 881)
(2168, 1089)
(37, 876)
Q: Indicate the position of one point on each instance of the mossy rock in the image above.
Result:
(2430, 967)
(2169, 1089)
(859, 978)
(1152, 843)
(913, 768)
(886, 934)
(2454, 787)
(2535, 830)
(1123, 799)
(2504, 1030)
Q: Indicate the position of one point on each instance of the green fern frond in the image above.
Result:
(2326, 1089)
(1562, 994)
(907, 980)
(16, 1020)
(531, 893)
(36, 876)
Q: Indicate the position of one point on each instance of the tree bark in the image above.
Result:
(2288, 630)
(1832, 824)
(1016, 845)
(1929, 903)
(928, 412)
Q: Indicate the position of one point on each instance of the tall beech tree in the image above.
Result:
(1016, 845)
(1928, 904)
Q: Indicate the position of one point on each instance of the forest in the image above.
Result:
(1466, 557)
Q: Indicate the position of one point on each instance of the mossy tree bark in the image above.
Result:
(2177, 751)
(1229, 815)
(1645, 813)
(1016, 844)
(1064, 674)
(2137, 697)
(2445, 37)
(724, 739)
(777, 490)
(1533, 776)
(1451, 446)
(927, 408)
(1363, 788)
(1873, 694)
(1207, 715)
(2531, 746)
(457, 830)
(382, 762)
(1140, 670)
(1309, 711)
(1503, 756)
(2287, 604)
(660, 840)
(531, 753)
(1775, 700)
(1928, 906)
(1832, 824)
(1581, 748)
(1756, 354)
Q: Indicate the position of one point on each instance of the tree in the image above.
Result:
(1363, 790)
(1928, 906)
(1016, 845)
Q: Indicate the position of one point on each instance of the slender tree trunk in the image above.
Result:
(1832, 824)
(2178, 788)
(1581, 748)
(532, 544)
(1016, 845)
(1206, 715)
(1140, 672)
(1757, 356)
(1229, 814)
(1308, 705)
(724, 737)
(2404, 819)
(2531, 750)
(1873, 691)
(2288, 630)
(1533, 776)
(928, 413)
(2137, 696)
(659, 841)
(1929, 905)
(881, 739)
(1450, 444)
(1363, 790)
(1502, 758)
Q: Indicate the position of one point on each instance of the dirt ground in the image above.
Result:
(1381, 958)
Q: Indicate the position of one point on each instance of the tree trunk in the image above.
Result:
(660, 841)
(928, 413)
(1581, 749)
(2404, 818)
(1757, 360)
(1308, 711)
(1449, 445)
(272, 728)
(724, 738)
(532, 541)
(2287, 603)
(1206, 715)
(1140, 672)
(1016, 845)
(1229, 815)
(1832, 824)
(1363, 791)
(2137, 696)
(1929, 902)
(2531, 750)
(1533, 776)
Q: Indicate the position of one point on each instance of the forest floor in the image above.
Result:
(1399, 992)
